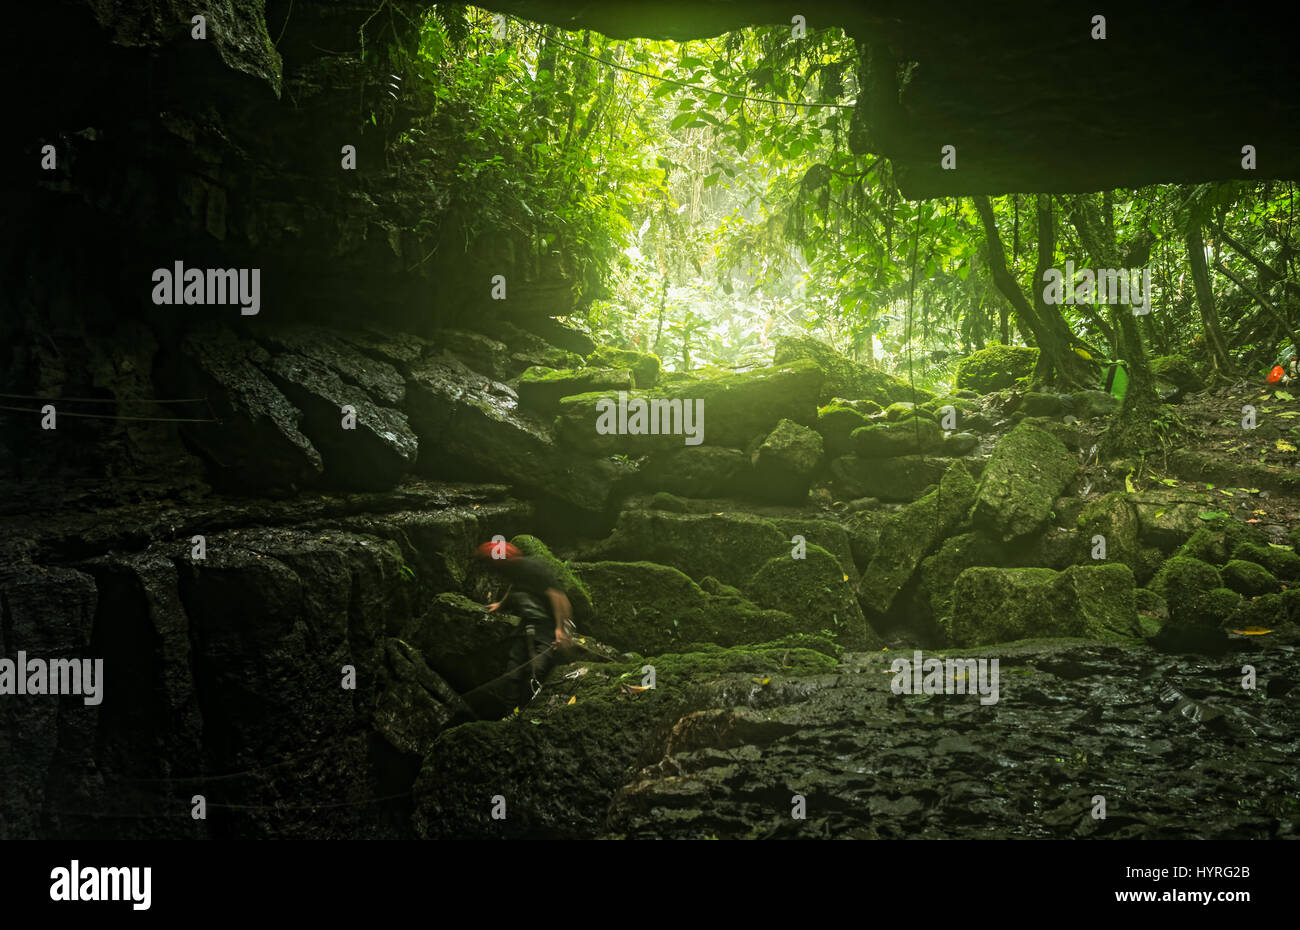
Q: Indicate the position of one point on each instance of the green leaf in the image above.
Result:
(1211, 514)
(681, 119)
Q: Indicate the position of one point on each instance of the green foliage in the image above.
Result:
(703, 200)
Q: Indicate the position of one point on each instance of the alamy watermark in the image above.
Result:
(654, 417)
(87, 883)
(946, 676)
(1112, 286)
(181, 285)
(53, 676)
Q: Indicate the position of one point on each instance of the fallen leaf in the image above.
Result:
(1284, 446)
(573, 700)
(1253, 631)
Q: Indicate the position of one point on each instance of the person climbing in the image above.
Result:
(545, 615)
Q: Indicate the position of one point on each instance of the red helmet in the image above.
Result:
(490, 549)
(1276, 374)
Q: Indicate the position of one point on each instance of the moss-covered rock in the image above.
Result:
(1206, 545)
(1291, 605)
(1088, 405)
(1168, 518)
(939, 572)
(1294, 539)
(579, 596)
(995, 368)
(645, 367)
(827, 534)
(836, 423)
(997, 605)
(913, 436)
(648, 608)
(697, 471)
(1113, 517)
(1249, 578)
(1284, 563)
(844, 377)
(540, 388)
(459, 640)
(863, 528)
(903, 478)
(736, 408)
(1035, 404)
(414, 703)
(728, 546)
(1178, 371)
(785, 461)
(904, 409)
(911, 534)
(1029, 468)
(1189, 587)
(816, 589)
(1268, 612)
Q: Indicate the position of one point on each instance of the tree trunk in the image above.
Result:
(1205, 300)
(1055, 355)
(1134, 428)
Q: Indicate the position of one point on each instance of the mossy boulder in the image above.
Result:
(1294, 539)
(1291, 605)
(1268, 612)
(903, 478)
(847, 378)
(540, 388)
(648, 608)
(863, 528)
(1088, 405)
(1284, 563)
(1206, 545)
(697, 471)
(1036, 404)
(735, 409)
(817, 590)
(1249, 578)
(836, 424)
(1179, 372)
(414, 703)
(579, 596)
(1190, 587)
(728, 546)
(1168, 518)
(910, 535)
(939, 572)
(645, 367)
(827, 534)
(913, 436)
(998, 605)
(785, 461)
(1114, 518)
(995, 368)
(904, 409)
(1028, 469)
(459, 640)
(868, 408)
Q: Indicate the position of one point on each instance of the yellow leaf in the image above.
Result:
(1128, 483)
(1253, 631)
(846, 577)
(1284, 446)
(573, 700)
